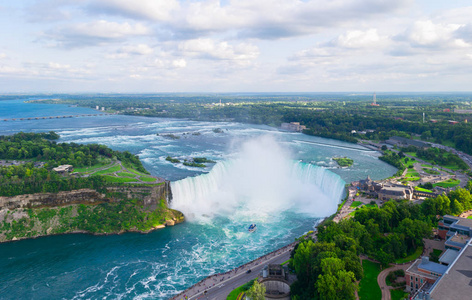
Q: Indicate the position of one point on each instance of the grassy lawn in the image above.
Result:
(422, 189)
(370, 205)
(410, 257)
(412, 173)
(132, 169)
(451, 167)
(113, 169)
(89, 169)
(126, 174)
(234, 293)
(434, 256)
(448, 183)
(426, 166)
(469, 217)
(356, 204)
(147, 178)
(406, 179)
(118, 179)
(429, 171)
(368, 287)
(398, 294)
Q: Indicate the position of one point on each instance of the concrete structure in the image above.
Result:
(450, 225)
(374, 101)
(276, 288)
(368, 185)
(404, 142)
(456, 281)
(423, 273)
(396, 192)
(293, 126)
(451, 122)
(448, 257)
(389, 190)
(275, 279)
(456, 242)
(462, 111)
(63, 169)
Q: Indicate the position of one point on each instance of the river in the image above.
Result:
(305, 186)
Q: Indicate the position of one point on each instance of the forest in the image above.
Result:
(385, 234)
(326, 115)
(30, 148)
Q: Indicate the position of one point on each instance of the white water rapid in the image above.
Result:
(262, 179)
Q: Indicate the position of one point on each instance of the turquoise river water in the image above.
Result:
(285, 182)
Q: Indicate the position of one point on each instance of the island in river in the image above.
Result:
(343, 161)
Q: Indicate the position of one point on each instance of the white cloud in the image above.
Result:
(2, 55)
(57, 66)
(126, 51)
(179, 63)
(247, 18)
(426, 33)
(96, 33)
(157, 10)
(165, 63)
(361, 39)
(209, 49)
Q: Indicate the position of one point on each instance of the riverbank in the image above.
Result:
(120, 209)
(228, 279)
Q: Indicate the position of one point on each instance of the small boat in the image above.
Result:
(252, 227)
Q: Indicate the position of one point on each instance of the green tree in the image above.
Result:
(256, 292)
(336, 282)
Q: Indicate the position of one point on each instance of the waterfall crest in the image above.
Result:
(262, 179)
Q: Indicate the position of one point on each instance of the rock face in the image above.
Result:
(119, 209)
(84, 196)
(149, 194)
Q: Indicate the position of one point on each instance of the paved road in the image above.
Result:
(219, 286)
(222, 290)
(383, 275)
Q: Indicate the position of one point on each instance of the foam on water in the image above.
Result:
(261, 180)
(163, 263)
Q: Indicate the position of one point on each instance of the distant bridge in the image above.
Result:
(338, 146)
(55, 117)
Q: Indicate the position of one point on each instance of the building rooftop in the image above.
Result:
(464, 222)
(430, 266)
(393, 190)
(415, 143)
(459, 238)
(456, 283)
(414, 269)
(448, 256)
(62, 168)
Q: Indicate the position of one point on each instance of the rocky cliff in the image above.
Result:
(84, 196)
(115, 210)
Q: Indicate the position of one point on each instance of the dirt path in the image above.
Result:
(383, 275)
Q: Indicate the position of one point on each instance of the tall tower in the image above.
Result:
(375, 100)
(423, 117)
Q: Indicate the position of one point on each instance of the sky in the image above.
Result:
(152, 46)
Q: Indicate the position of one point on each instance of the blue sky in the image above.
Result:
(147, 46)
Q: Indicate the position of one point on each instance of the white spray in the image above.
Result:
(262, 179)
